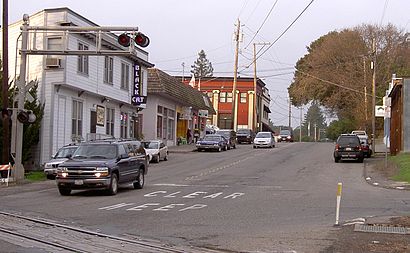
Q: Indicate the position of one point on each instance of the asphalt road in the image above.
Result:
(248, 200)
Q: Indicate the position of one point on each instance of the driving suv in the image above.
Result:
(245, 135)
(230, 136)
(348, 147)
(103, 165)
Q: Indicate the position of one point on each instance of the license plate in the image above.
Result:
(78, 182)
(348, 149)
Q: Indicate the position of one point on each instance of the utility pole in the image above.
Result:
(300, 127)
(255, 81)
(374, 96)
(365, 90)
(315, 132)
(183, 71)
(5, 86)
(290, 113)
(235, 79)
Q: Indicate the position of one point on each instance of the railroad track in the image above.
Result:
(51, 236)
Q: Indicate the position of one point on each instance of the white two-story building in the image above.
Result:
(84, 96)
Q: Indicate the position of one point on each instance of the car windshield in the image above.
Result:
(224, 133)
(65, 152)
(284, 132)
(263, 135)
(344, 141)
(103, 151)
(243, 131)
(150, 145)
(212, 138)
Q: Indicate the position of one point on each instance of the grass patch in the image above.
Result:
(35, 176)
(402, 161)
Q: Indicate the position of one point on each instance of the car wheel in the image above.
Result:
(226, 148)
(254, 146)
(139, 184)
(64, 191)
(369, 155)
(166, 157)
(157, 159)
(360, 160)
(113, 185)
(274, 146)
(219, 149)
(337, 159)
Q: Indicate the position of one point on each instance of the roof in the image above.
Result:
(161, 83)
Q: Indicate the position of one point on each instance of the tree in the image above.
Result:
(314, 116)
(333, 74)
(202, 66)
(31, 132)
(339, 127)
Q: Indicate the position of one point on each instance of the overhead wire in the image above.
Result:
(280, 36)
(264, 21)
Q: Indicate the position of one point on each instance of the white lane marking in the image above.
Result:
(140, 207)
(188, 185)
(116, 206)
(168, 207)
(196, 206)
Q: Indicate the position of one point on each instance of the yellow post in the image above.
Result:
(338, 197)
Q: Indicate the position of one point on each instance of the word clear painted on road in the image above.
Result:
(158, 206)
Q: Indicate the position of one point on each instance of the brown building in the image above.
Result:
(252, 107)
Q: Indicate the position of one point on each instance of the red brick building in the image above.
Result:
(252, 111)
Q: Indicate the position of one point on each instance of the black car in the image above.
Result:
(212, 142)
(285, 135)
(245, 136)
(230, 136)
(348, 147)
(103, 165)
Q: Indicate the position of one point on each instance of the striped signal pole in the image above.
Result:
(338, 198)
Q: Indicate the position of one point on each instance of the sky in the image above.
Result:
(179, 29)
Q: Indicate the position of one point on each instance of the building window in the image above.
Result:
(225, 120)
(110, 122)
(108, 69)
(77, 118)
(54, 43)
(124, 125)
(159, 127)
(229, 97)
(243, 97)
(82, 65)
(125, 76)
(222, 97)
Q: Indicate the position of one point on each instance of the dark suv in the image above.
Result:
(285, 135)
(245, 136)
(348, 147)
(103, 165)
(230, 136)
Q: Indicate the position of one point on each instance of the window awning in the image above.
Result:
(266, 109)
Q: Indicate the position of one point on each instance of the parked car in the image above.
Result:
(156, 150)
(264, 139)
(285, 135)
(212, 142)
(230, 136)
(245, 136)
(103, 165)
(348, 147)
(367, 151)
(63, 154)
(360, 133)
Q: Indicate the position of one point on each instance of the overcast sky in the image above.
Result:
(179, 29)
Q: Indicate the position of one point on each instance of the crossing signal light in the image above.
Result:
(26, 116)
(124, 40)
(141, 40)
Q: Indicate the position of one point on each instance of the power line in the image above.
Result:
(280, 36)
(264, 21)
(384, 12)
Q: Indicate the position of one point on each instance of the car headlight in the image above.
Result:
(288, 137)
(102, 172)
(216, 144)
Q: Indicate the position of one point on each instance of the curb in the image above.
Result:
(388, 184)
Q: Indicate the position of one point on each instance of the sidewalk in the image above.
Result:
(376, 174)
(183, 148)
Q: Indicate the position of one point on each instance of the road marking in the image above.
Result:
(116, 206)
